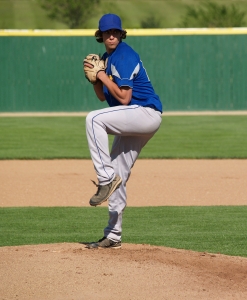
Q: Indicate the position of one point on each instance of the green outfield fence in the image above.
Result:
(191, 69)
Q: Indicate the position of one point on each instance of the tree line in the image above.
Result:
(75, 14)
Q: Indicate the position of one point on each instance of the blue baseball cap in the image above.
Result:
(110, 21)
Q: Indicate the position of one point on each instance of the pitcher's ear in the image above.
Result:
(98, 36)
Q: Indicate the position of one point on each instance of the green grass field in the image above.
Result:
(219, 229)
(27, 14)
(178, 137)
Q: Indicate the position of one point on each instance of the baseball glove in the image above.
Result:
(92, 65)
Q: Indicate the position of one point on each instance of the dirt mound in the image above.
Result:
(70, 271)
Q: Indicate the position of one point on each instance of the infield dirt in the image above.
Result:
(70, 271)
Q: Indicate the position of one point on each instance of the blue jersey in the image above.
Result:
(125, 68)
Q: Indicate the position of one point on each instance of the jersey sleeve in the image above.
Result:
(124, 70)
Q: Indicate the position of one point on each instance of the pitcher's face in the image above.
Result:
(111, 39)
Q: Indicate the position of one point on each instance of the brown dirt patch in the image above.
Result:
(70, 271)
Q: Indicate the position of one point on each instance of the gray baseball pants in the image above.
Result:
(133, 126)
